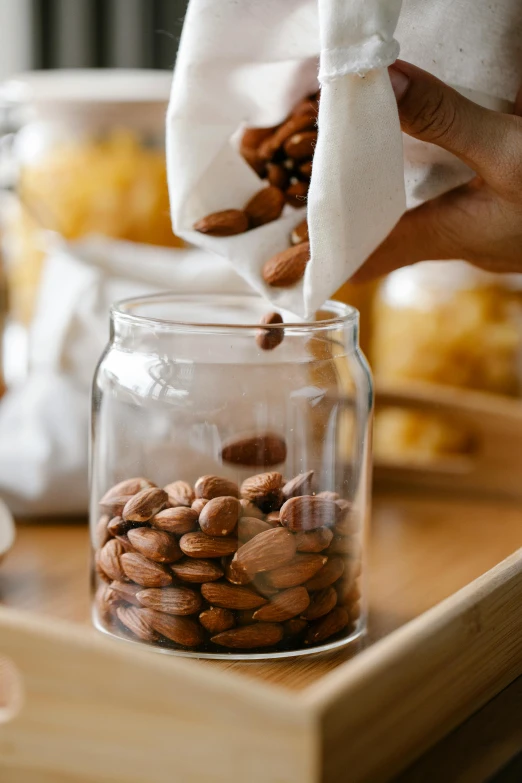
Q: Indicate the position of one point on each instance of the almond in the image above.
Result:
(301, 145)
(323, 601)
(119, 527)
(220, 515)
(274, 519)
(263, 587)
(175, 520)
(327, 626)
(250, 636)
(216, 619)
(305, 169)
(223, 224)
(144, 572)
(99, 570)
(249, 527)
(105, 604)
(300, 233)
(172, 600)
(135, 620)
(126, 544)
(268, 148)
(354, 612)
(109, 559)
(245, 616)
(126, 591)
(102, 534)
(128, 487)
(314, 541)
(254, 160)
(263, 489)
(180, 493)
(309, 512)
(198, 505)
(298, 572)
(210, 487)
(201, 545)
(328, 574)
(145, 505)
(347, 588)
(294, 627)
(296, 195)
(277, 176)
(300, 485)
(230, 596)
(284, 605)
(249, 510)
(266, 551)
(197, 571)
(252, 137)
(181, 630)
(265, 206)
(348, 546)
(155, 544)
(268, 339)
(260, 450)
(348, 523)
(106, 594)
(352, 568)
(288, 267)
(114, 507)
(235, 575)
(308, 106)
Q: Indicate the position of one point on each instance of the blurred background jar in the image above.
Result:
(86, 158)
(443, 323)
(186, 399)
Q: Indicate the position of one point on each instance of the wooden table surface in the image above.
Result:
(422, 549)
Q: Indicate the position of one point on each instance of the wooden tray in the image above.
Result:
(93, 709)
(492, 463)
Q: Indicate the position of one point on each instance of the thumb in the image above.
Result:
(431, 111)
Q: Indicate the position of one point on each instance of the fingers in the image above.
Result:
(431, 111)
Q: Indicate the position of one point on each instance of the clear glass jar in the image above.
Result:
(443, 322)
(256, 546)
(450, 323)
(87, 157)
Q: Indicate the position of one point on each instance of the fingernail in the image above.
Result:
(399, 81)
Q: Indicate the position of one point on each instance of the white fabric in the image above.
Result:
(247, 63)
(44, 422)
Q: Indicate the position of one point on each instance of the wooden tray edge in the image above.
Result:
(408, 690)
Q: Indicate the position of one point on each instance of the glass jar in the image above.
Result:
(87, 158)
(230, 478)
(443, 322)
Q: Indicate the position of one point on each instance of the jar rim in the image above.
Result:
(340, 314)
(85, 86)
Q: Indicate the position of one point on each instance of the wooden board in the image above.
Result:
(392, 701)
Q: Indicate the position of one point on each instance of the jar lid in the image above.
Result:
(86, 100)
(89, 85)
(421, 285)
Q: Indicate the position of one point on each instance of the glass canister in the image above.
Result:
(443, 322)
(230, 478)
(85, 156)
(448, 322)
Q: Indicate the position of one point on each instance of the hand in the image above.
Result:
(480, 222)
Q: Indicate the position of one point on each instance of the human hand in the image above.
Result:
(480, 222)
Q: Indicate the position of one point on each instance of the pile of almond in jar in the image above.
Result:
(283, 157)
(217, 568)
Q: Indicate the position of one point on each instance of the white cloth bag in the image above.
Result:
(247, 63)
(44, 422)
